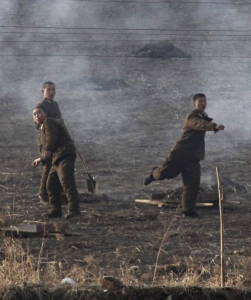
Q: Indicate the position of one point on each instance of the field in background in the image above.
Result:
(125, 75)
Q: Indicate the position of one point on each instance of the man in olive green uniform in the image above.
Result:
(51, 107)
(59, 148)
(184, 158)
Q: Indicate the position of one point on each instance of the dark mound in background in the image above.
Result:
(100, 84)
(161, 49)
(96, 83)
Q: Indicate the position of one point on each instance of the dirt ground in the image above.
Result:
(140, 244)
(124, 95)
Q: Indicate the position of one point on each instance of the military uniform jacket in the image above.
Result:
(193, 136)
(51, 107)
(54, 138)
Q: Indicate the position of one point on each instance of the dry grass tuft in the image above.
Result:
(27, 277)
(17, 265)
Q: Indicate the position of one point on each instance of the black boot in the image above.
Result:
(53, 214)
(43, 200)
(73, 213)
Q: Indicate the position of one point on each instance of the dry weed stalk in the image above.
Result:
(160, 247)
(220, 192)
(128, 274)
(39, 259)
(18, 265)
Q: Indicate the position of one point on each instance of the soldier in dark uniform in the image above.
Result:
(51, 107)
(60, 150)
(184, 158)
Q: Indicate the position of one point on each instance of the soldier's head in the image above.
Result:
(39, 115)
(49, 90)
(200, 102)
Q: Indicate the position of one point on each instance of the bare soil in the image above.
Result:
(138, 243)
(124, 103)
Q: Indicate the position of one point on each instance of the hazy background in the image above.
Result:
(124, 111)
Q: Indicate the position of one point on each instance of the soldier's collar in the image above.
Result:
(201, 113)
(49, 100)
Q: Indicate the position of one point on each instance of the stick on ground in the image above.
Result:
(220, 191)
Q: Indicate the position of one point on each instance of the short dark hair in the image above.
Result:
(41, 106)
(197, 96)
(44, 85)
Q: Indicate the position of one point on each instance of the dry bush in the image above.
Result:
(19, 266)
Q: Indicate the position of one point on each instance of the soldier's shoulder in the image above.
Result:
(192, 112)
(42, 101)
(43, 104)
(56, 104)
(39, 103)
(50, 121)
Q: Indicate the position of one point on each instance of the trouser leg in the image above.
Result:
(170, 168)
(54, 189)
(66, 176)
(43, 195)
(191, 180)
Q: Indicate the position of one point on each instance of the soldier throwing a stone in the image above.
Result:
(184, 158)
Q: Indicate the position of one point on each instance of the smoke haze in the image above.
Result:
(85, 46)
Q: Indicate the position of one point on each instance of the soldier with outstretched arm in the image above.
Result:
(184, 158)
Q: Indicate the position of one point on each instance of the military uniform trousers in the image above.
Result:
(182, 162)
(62, 175)
(42, 188)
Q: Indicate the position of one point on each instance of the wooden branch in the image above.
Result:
(221, 228)
(163, 203)
(158, 202)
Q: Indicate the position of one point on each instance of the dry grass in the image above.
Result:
(27, 277)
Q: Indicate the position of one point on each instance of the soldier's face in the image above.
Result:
(49, 92)
(200, 104)
(39, 115)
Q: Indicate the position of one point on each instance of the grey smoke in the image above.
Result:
(108, 98)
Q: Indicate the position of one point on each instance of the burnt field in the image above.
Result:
(124, 86)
